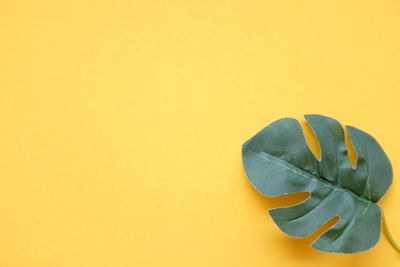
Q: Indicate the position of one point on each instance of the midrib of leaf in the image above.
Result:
(306, 174)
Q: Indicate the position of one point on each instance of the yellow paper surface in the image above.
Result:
(121, 124)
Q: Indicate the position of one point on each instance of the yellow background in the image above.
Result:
(121, 124)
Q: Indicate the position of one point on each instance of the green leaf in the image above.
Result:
(278, 161)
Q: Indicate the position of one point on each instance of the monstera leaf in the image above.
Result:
(278, 161)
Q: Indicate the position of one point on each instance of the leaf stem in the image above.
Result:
(388, 235)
